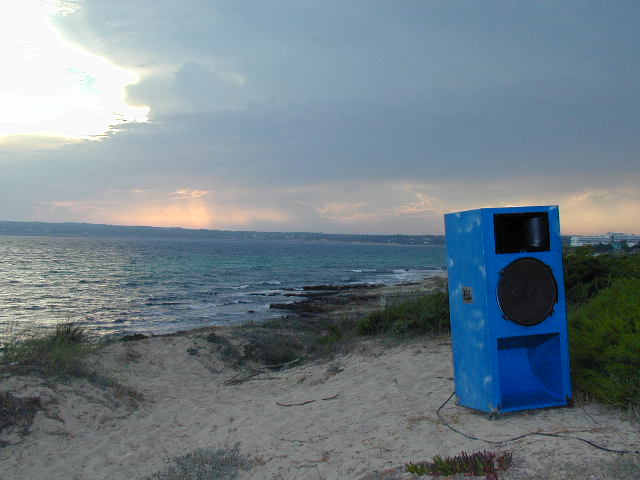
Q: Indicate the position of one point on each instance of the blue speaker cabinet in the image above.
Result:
(508, 314)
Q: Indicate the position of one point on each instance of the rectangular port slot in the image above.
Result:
(521, 232)
(530, 372)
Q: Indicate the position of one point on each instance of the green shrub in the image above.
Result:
(586, 274)
(605, 344)
(428, 314)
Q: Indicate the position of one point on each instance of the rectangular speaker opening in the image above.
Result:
(521, 232)
(530, 372)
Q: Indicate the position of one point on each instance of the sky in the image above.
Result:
(339, 116)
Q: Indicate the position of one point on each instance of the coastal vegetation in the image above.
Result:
(60, 351)
(587, 273)
(283, 341)
(18, 413)
(605, 344)
(205, 464)
(603, 303)
(476, 464)
(428, 314)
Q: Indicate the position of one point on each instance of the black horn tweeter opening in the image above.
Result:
(527, 291)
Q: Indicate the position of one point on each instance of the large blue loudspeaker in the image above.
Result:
(508, 314)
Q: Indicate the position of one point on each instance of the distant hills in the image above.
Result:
(119, 231)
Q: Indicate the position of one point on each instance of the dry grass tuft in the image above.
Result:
(205, 464)
(17, 412)
(60, 352)
(52, 351)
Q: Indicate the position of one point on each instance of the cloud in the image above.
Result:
(190, 87)
(299, 116)
(603, 210)
(33, 142)
(423, 204)
(384, 201)
(419, 207)
(345, 212)
(185, 194)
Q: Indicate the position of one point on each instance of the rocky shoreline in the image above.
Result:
(357, 299)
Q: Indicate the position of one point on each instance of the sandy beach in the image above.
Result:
(359, 414)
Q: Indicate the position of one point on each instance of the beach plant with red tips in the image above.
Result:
(477, 464)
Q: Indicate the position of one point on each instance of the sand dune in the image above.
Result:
(354, 417)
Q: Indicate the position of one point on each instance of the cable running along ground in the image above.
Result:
(543, 434)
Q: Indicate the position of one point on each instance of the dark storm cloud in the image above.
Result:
(371, 83)
(285, 94)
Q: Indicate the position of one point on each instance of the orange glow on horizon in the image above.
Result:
(178, 214)
(194, 214)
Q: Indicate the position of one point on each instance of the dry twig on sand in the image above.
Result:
(306, 402)
(254, 373)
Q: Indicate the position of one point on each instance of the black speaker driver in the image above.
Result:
(527, 291)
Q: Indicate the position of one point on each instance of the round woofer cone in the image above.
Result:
(527, 291)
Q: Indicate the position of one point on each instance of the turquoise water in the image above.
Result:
(123, 286)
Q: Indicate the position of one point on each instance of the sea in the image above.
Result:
(120, 286)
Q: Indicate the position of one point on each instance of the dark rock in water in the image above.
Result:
(305, 306)
(322, 298)
(340, 288)
(281, 306)
(133, 338)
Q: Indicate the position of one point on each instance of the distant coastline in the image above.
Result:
(71, 229)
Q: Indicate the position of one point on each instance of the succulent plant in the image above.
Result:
(476, 464)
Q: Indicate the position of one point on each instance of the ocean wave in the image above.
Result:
(236, 302)
(201, 306)
(395, 276)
